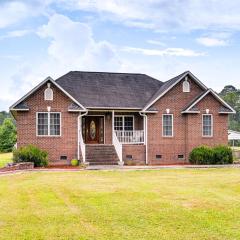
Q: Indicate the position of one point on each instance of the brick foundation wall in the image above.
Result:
(138, 153)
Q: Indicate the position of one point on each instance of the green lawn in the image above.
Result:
(5, 158)
(163, 204)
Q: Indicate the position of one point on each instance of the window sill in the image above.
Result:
(48, 136)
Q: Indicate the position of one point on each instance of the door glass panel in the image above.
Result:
(101, 130)
(92, 130)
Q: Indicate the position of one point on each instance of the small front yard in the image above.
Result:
(164, 204)
(5, 158)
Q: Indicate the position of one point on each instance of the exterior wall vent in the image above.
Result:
(63, 157)
(158, 156)
(180, 156)
(129, 157)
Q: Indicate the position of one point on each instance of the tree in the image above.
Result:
(8, 135)
(232, 96)
(3, 115)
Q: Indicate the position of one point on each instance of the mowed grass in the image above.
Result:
(154, 204)
(5, 158)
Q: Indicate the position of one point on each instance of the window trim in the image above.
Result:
(60, 114)
(207, 136)
(167, 136)
(123, 118)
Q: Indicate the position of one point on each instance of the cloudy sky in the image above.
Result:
(162, 38)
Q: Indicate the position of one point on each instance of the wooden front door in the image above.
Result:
(94, 130)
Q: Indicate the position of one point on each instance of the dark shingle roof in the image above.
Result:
(109, 90)
(22, 106)
(74, 107)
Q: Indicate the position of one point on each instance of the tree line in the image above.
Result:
(232, 96)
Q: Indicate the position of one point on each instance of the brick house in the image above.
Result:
(110, 118)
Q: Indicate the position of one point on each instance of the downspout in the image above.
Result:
(146, 134)
(78, 119)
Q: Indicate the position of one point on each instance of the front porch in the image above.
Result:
(119, 129)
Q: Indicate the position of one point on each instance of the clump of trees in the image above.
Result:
(8, 133)
(232, 96)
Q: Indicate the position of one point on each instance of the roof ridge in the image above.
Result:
(108, 72)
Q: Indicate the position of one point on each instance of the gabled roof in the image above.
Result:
(104, 90)
(169, 85)
(21, 106)
(225, 109)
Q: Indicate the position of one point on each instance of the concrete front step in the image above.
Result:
(101, 155)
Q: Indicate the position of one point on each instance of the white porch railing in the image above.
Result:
(82, 146)
(118, 147)
(135, 136)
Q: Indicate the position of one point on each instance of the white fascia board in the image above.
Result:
(174, 84)
(41, 84)
(216, 96)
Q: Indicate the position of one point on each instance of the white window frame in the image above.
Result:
(207, 136)
(167, 114)
(60, 114)
(123, 120)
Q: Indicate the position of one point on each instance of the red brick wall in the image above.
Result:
(66, 144)
(187, 128)
(138, 153)
(194, 125)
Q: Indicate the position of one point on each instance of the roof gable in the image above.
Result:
(18, 106)
(167, 86)
(225, 109)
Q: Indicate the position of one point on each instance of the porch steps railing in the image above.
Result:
(83, 147)
(118, 147)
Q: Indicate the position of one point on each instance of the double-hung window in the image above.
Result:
(48, 124)
(167, 125)
(123, 123)
(207, 125)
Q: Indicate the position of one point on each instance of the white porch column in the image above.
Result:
(113, 114)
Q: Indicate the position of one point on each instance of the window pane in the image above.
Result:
(128, 123)
(42, 124)
(207, 125)
(167, 125)
(118, 123)
(54, 124)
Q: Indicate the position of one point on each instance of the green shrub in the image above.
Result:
(74, 162)
(222, 155)
(205, 155)
(201, 155)
(31, 153)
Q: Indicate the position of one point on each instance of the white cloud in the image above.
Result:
(179, 52)
(156, 42)
(16, 33)
(212, 42)
(165, 15)
(72, 47)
